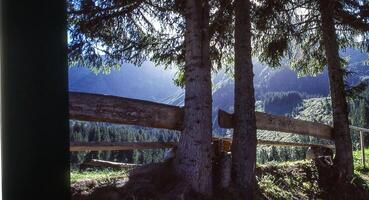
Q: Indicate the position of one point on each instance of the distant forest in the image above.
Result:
(281, 103)
(105, 132)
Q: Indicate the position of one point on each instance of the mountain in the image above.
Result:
(155, 84)
(284, 80)
(146, 82)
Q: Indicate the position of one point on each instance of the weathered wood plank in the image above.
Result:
(224, 142)
(104, 108)
(270, 122)
(118, 146)
(365, 130)
(293, 144)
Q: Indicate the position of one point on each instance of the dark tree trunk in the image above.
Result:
(244, 136)
(343, 159)
(193, 161)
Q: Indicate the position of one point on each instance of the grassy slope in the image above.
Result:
(298, 180)
(313, 109)
(288, 180)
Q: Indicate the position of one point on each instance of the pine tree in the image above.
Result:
(193, 160)
(244, 135)
(263, 156)
(311, 33)
(121, 32)
(274, 156)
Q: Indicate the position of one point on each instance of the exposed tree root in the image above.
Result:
(155, 181)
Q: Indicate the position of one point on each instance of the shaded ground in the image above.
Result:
(289, 180)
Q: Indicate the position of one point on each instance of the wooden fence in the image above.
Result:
(270, 122)
(119, 146)
(105, 108)
(362, 144)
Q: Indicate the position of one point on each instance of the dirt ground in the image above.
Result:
(297, 180)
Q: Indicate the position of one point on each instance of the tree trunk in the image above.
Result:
(343, 159)
(244, 136)
(193, 161)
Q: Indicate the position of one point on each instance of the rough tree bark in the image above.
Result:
(193, 161)
(343, 159)
(244, 136)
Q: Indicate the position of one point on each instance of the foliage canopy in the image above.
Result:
(104, 34)
(291, 29)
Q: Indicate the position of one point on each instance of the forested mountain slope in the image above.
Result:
(154, 83)
(146, 82)
(278, 91)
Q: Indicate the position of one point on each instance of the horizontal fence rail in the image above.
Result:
(359, 129)
(362, 139)
(119, 110)
(104, 163)
(270, 122)
(295, 144)
(104, 108)
(227, 142)
(116, 146)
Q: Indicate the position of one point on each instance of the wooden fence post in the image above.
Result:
(362, 146)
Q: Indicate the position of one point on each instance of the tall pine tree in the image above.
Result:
(193, 161)
(310, 33)
(105, 34)
(244, 136)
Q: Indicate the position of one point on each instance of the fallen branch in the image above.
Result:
(224, 145)
(118, 146)
(103, 163)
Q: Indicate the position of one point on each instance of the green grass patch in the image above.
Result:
(357, 160)
(98, 175)
(298, 180)
(288, 180)
(277, 180)
(361, 173)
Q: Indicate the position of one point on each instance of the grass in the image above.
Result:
(288, 180)
(283, 180)
(357, 159)
(298, 180)
(98, 175)
(361, 173)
